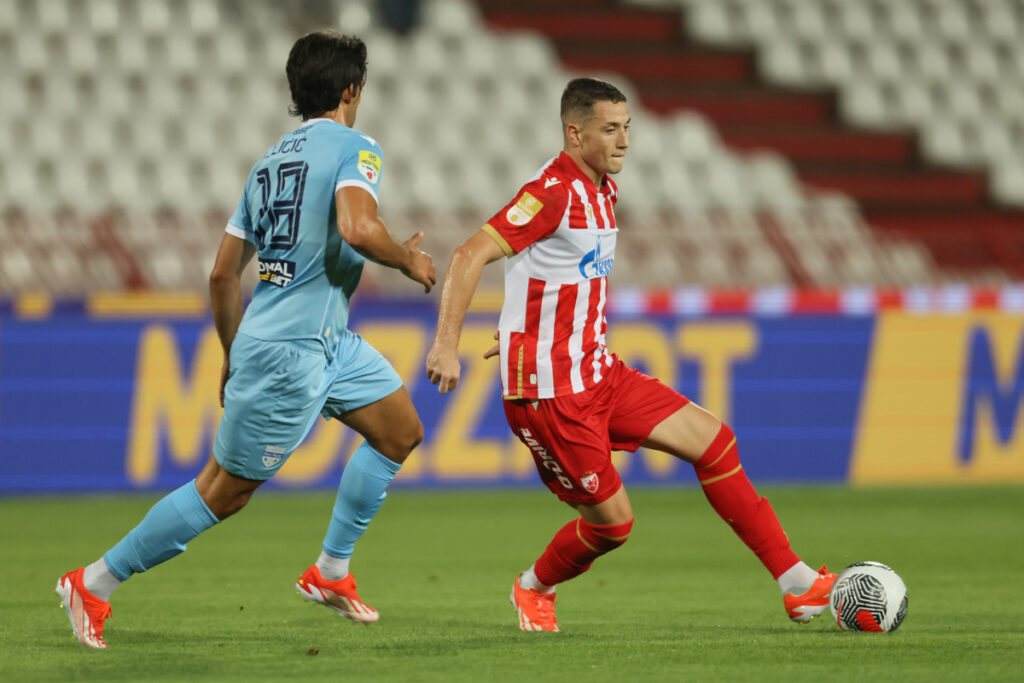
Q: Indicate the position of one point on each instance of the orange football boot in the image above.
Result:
(85, 611)
(340, 595)
(809, 604)
(536, 609)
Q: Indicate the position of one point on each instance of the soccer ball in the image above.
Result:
(868, 596)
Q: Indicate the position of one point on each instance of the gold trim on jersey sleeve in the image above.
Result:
(490, 230)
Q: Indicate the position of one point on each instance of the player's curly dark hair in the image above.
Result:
(580, 94)
(321, 65)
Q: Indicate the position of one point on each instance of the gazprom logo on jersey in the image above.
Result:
(277, 272)
(592, 265)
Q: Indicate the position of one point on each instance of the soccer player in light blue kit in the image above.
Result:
(310, 215)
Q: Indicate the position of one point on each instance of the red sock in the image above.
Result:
(734, 499)
(575, 547)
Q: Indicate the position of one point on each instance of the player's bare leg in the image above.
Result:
(698, 437)
(392, 429)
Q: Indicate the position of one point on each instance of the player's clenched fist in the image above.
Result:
(443, 368)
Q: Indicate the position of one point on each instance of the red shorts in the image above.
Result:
(572, 437)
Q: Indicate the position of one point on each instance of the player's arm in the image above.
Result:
(460, 281)
(226, 294)
(363, 229)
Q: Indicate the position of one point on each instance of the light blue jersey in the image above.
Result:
(307, 272)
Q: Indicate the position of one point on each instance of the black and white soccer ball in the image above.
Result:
(868, 596)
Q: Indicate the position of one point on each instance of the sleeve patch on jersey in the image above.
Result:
(369, 165)
(523, 211)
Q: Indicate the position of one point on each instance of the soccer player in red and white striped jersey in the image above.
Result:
(559, 235)
(567, 397)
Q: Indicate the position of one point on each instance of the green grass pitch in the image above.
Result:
(683, 600)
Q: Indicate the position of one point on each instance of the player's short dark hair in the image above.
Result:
(580, 94)
(321, 65)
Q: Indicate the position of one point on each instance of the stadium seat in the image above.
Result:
(9, 19)
(82, 56)
(202, 17)
(103, 17)
(450, 18)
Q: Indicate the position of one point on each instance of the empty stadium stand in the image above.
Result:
(127, 128)
(912, 109)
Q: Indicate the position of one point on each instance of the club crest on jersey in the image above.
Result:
(272, 455)
(592, 265)
(523, 211)
(590, 482)
(369, 165)
(276, 271)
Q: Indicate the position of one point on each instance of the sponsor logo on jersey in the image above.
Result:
(272, 455)
(592, 265)
(276, 271)
(369, 165)
(548, 182)
(590, 482)
(523, 211)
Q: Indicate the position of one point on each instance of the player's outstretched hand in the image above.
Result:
(494, 350)
(420, 266)
(443, 368)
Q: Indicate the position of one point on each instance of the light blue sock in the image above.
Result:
(175, 520)
(362, 489)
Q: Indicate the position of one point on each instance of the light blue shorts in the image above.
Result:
(276, 389)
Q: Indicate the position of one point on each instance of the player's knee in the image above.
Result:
(409, 437)
(402, 440)
(605, 537)
(415, 434)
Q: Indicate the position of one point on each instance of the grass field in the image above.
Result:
(683, 600)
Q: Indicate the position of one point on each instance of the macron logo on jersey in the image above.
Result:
(548, 182)
(276, 271)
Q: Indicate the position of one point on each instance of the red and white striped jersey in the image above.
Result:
(559, 235)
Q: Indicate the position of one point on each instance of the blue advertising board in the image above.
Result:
(98, 401)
